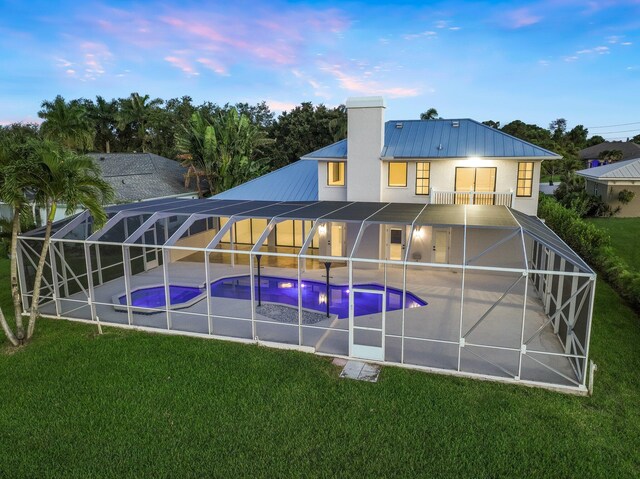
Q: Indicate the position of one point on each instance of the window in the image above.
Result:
(397, 174)
(422, 177)
(525, 178)
(335, 173)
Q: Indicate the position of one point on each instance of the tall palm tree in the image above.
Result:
(103, 114)
(67, 123)
(65, 178)
(139, 111)
(17, 164)
(430, 114)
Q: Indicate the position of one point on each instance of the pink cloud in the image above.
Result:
(182, 64)
(213, 65)
(277, 105)
(521, 17)
(364, 86)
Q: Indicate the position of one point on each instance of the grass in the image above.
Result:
(624, 234)
(130, 404)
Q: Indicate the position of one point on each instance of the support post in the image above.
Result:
(258, 258)
(327, 266)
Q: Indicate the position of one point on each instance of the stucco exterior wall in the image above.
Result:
(442, 178)
(198, 240)
(609, 193)
(330, 193)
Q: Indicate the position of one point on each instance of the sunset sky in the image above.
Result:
(534, 61)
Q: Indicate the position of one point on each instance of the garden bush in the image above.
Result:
(594, 245)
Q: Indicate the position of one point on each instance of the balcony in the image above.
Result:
(500, 198)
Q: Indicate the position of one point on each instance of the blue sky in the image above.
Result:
(534, 61)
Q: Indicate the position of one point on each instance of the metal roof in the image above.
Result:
(621, 170)
(295, 182)
(337, 150)
(458, 138)
(441, 138)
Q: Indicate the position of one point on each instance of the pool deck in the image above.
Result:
(431, 333)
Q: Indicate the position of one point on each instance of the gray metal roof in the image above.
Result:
(442, 139)
(295, 182)
(337, 150)
(621, 170)
(458, 138)
(629, 150)
(141, 176)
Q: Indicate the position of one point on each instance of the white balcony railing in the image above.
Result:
(502, 198)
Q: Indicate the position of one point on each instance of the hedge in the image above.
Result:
(594, 245)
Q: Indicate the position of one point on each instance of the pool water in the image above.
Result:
(284, 291)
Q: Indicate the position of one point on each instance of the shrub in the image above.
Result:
(625, 196)
(593, 245)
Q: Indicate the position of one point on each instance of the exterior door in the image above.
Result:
(441, 246)
(337, 239)
(366, 324)
(472, 183)
(395, 243)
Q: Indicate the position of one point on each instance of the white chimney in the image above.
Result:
(365, 139)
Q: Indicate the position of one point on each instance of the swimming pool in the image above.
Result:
(274, 289)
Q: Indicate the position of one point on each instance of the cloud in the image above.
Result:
(365, 86)
(519, 18)
(182, 64)
(427, 34)
(214, 66)
(89, 61)
(626, 44)
(277, 105)
(600, 50)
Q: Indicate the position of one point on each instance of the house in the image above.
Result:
(618, 184)
(411, 244)
(137, 177)
(454, 161)
(591, 155)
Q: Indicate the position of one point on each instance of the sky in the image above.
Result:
(534, 61)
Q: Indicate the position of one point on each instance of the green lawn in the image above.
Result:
(625, 234)
(130, 404)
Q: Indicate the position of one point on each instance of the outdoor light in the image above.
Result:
(417, 232)
(474, 161)
(322, 298)
(322, 229)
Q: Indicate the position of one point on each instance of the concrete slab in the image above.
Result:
(360, 371)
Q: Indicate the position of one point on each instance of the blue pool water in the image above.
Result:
(284, 291)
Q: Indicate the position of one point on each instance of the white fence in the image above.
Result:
(503, 198)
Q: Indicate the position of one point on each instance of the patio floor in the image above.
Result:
(431, 332)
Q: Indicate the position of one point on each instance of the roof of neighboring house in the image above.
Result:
(141, 176)
(295, 182)
(620, 170)
(457, 138)
(629, 150)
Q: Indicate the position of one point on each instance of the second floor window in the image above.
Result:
(335, 173)
(525, 178)
(422, 177)
(397, 174)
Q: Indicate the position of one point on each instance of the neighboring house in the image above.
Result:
(591, 155)
(134, 177)
(608, 181)
(456, 161)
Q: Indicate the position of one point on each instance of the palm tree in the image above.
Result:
(430, 114)
(17, 163)
(103, 116)
(67, 123)
(138, 111)
(65, 178)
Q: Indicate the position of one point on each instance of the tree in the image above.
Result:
(610, 156)
(137, 112)
(17, 165)
(492, 124)
(102, 115)
(578, 136)
(635, 139)
(595, 140)
(430, 114)
(64, 178)
(227, 150)
(304, 129)
(67, 123)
